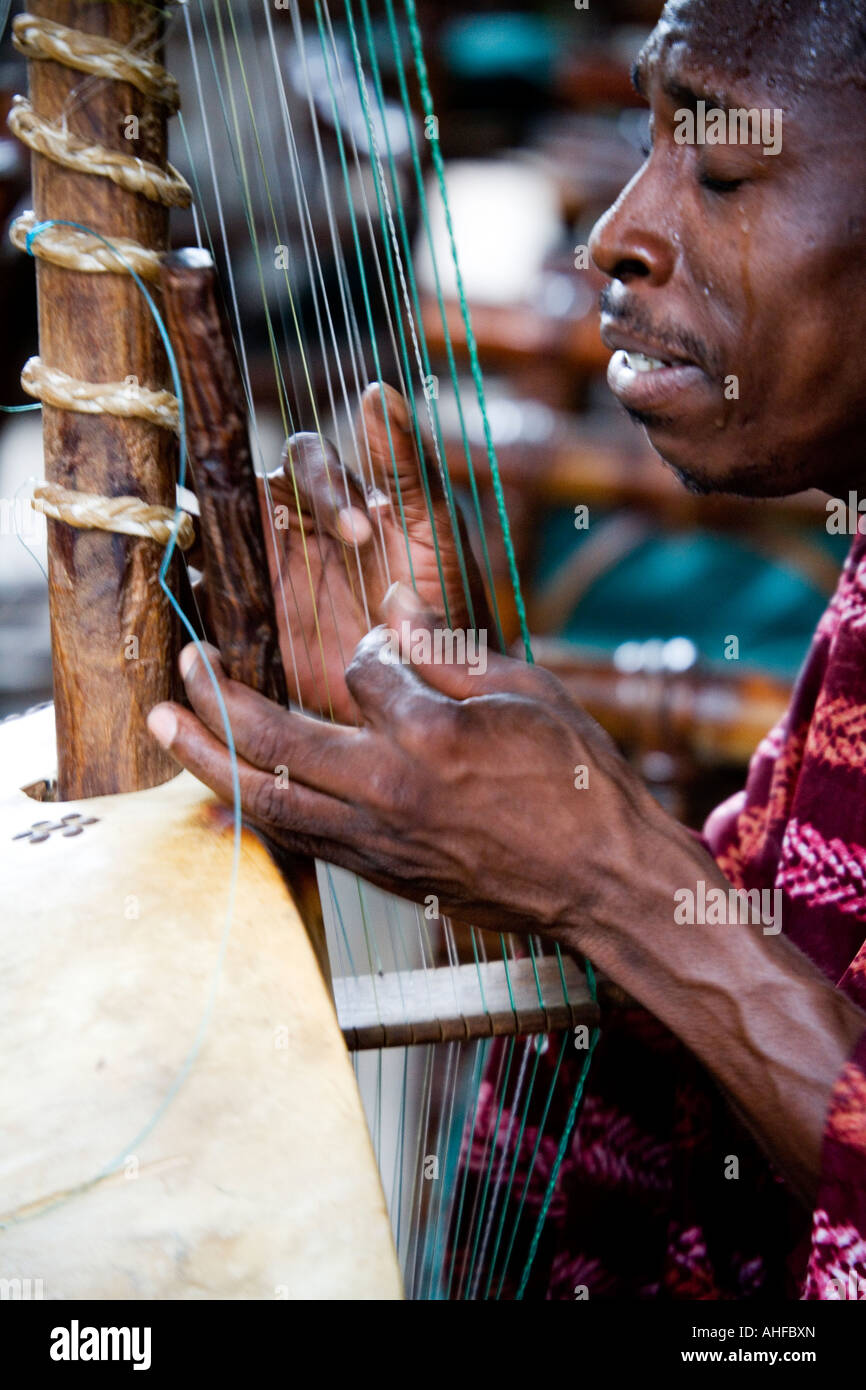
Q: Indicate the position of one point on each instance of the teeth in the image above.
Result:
(639, 362)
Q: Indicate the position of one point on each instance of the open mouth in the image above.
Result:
(645, 384)
(639, 362)
(648, 378)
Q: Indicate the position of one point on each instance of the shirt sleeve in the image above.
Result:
(837, 1261)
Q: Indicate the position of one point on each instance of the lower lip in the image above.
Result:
(656, 390)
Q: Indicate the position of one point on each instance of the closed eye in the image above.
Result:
(720, 185)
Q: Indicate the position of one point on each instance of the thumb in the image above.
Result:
(455, 662)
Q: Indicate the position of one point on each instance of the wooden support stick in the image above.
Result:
(448, 1003)
(239, 595)
(240, 600)
(113, 633)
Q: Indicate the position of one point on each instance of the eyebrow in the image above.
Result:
(682, 93)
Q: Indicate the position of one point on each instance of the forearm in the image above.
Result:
(764, 1021)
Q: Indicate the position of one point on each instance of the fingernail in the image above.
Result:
(162, 722)
(354, 526)
(405, 598)
(187, 658)
(377, 498)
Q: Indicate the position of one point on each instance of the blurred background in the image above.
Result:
(540, 130)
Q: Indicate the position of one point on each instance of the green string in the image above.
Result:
(486, 1189)
(408, 263)
(563, 1143)
(364, 286)
(518, 1144)
(495, 478)
(404, 349)
(427, 102)
(480, 1065)
(496, 482)
(449, 347)
(422, 342)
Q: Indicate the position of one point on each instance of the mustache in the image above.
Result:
(631, 317)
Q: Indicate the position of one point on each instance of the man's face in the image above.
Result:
(743, 272)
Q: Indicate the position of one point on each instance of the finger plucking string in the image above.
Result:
(375, 402)
(331, 758)
(314, 469)
(318, 473)
(422, 497)
(289, 809)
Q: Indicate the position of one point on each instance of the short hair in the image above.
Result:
(799, 43)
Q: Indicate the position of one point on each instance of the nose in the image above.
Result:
(630, 242)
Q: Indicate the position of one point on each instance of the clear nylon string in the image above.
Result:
(446, 1122)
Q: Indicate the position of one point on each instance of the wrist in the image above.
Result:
(747, 1003)
(651, 918)
(625, 874)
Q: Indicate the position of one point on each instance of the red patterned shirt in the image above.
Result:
(649, 1202)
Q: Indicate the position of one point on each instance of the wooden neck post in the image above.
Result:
(114, 636)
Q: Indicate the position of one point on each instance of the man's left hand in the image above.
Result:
(487, 788)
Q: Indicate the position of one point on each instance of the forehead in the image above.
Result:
(716, 51)
(684, 74)
(799, 47)
(737, 35)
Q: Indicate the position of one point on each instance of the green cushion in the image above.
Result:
(701, 585)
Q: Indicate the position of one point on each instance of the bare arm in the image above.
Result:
(461, 783)
(765, 1022)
